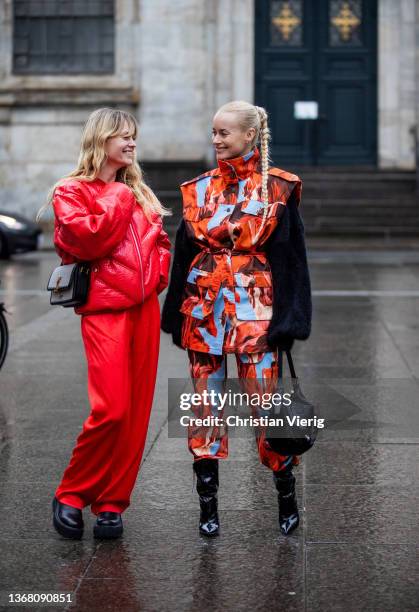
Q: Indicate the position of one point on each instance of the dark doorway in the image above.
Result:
(323, 51)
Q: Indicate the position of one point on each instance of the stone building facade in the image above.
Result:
(174, 63)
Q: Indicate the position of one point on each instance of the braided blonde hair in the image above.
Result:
(250, 116)
(264, 138)
(103, 123)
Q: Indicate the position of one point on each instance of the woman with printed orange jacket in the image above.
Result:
(105, 214)
(240, 284)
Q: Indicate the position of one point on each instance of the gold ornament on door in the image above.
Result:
(346, 22)
(286, 22)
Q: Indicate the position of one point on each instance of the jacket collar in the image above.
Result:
(238, 168)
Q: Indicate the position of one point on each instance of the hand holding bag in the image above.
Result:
(69, 284)
(293, 439)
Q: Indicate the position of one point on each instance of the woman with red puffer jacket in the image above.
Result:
(106, 215)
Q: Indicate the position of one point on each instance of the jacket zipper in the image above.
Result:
(137, 248)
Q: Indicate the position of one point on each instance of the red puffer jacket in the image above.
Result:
(102, 223)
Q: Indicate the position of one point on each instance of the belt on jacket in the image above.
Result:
(232, 251)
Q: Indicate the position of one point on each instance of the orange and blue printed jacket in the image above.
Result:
(228, 295)
(220, 272)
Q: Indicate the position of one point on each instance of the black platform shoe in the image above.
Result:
(206, 471)
(287, 500)
(108, 525)
(67, 520)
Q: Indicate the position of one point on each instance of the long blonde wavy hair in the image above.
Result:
(250, 116)
(102, 124)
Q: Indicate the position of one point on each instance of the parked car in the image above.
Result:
(4, 334)
(18, 234)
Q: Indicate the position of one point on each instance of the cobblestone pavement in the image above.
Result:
(356, 547)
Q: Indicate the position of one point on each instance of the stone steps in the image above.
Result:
(336, 201)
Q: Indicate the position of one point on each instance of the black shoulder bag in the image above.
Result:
(298, 432)
(69, 284)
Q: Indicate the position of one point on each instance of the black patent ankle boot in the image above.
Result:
(287, 500)
(206, 471)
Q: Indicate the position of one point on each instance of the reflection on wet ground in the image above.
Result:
(356, 547)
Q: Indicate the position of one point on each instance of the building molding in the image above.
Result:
(80, 95)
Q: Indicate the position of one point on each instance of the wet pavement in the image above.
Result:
(356, 547)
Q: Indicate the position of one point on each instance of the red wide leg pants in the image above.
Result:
(122, 354)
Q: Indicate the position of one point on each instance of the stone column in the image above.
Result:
(174, 69)
(397, 77)
(194, 57)
(416, 42)
(234, 52)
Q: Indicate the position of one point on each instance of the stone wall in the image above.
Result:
(397, 82)
(176, 63)
(41, 116)
(416, 42)
(195, 56)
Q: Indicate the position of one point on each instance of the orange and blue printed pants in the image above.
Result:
(206, 370)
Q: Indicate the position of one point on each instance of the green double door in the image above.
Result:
(324, 53)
